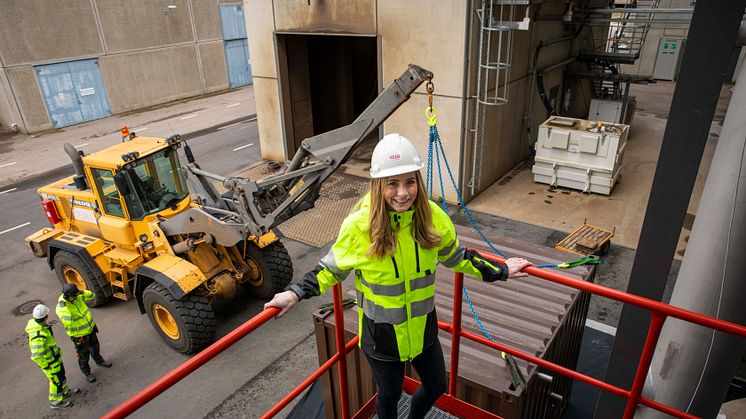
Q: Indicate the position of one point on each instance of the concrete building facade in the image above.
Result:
(64, 63)
(318, 63)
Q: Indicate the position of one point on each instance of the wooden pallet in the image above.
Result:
(587, 240)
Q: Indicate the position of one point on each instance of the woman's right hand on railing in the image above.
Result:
(284, 301)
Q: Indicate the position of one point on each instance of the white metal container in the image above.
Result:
(580, 154)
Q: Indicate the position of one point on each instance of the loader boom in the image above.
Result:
(256, 206)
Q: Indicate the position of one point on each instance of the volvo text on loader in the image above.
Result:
(132, 222)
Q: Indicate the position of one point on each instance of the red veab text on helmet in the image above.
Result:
(396, 156)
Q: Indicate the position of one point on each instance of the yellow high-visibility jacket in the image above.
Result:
(44, 349)
(396, 294)
(75, 315)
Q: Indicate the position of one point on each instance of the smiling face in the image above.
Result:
(400, 192)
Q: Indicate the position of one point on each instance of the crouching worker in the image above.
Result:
(47, 355)
(394, 242)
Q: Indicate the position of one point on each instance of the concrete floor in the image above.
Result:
(516, 197)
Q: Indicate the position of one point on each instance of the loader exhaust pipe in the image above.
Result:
(75, 156)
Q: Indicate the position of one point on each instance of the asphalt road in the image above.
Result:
(127, 338)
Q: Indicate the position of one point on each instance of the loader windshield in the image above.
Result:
(156, 182)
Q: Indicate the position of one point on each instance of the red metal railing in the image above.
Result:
(448, 401)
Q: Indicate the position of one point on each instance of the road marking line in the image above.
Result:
(138, 129)
(14, 228)
(9, 190)
(232, 105)
(228, 126)
(243, 146)
(8, 164)
(189, 116)
(81, 145)
(609, 330)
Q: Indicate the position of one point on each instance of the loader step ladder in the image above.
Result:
(119, 285)
(120, 258)
(587, 240)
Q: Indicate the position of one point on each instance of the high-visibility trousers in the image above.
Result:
(57, 382)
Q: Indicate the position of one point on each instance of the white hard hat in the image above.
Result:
(40, 311)
(394, 155)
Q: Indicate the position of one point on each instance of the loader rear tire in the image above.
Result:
(186, 325)
(71, 269)
(274, 266)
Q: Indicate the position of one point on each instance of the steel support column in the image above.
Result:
(711, 38)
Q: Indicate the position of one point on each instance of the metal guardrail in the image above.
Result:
(449, 402)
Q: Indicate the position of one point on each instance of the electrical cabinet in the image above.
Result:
(670, 51)
(611, 110)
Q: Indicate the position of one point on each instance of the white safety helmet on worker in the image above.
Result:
(40, 311)
(394, 155)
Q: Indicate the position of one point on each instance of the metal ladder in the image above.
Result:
(497, 23)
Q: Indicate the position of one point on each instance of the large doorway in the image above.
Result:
(236, 46)
(326, 82)
(73, 92)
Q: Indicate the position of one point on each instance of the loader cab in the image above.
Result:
(133, 182)
(151, 184)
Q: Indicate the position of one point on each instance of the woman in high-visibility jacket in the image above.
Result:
(393, 242)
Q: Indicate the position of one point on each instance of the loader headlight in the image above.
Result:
(133, 155)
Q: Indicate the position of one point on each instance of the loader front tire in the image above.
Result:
(186, 325)
(272, 269)
(71, 269)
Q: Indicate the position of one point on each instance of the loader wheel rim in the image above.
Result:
(166, 322)
(256, 278)
(72, 276)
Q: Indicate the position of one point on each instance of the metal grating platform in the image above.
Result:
(405, 403)
(320, 225)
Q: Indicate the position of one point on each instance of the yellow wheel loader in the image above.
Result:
(132, 222)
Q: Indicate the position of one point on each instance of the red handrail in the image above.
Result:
(660, 312)
(174, 376)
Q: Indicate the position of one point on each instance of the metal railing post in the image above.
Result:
(458, 298)
(339, 331)
(654, 331)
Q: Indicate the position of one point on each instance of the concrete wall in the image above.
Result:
(442, 37)
(146, 56)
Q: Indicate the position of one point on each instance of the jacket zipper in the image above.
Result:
(417, 255)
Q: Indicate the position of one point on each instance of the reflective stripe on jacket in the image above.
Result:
(396, 293)
(75, 315)
(44, 349)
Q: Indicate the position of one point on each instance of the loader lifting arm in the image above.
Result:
(256, 206)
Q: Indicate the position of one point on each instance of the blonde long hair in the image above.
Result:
(383, 235)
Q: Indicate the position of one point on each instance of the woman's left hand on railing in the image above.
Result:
(515, 266)
(282, 300)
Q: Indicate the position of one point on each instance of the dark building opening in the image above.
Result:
(327, 81)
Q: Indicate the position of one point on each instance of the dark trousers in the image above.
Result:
(390, 376)
(87, 347)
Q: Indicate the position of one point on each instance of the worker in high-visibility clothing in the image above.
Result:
(47, 355)
(394, 241)
(79, 325)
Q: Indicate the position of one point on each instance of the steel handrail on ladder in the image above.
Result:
(449, 402)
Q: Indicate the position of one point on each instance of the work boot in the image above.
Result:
(71, 392)
(60, 405)
(105, 364)
(89, 377)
